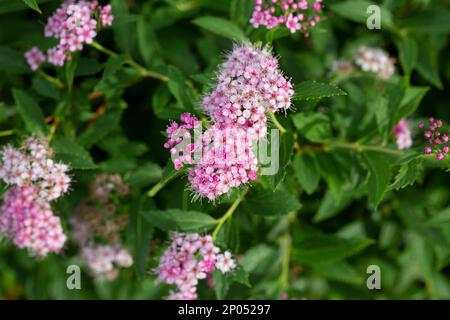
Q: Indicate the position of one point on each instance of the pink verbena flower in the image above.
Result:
(295, 15)
(188, 259)
(249, 85)
(75, 23)
(35, 58)
(403, 134)
(437, 140)
(29, 221)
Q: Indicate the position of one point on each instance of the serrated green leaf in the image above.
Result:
(104, 125)
(267, 202)
(410, 101)
(340, 271)
(30, 112)
(176, 219)
(327, 249)
(408, 52)
(408, 174)
(72, 154)
(314, 126)
(305, 168)
(379, 174)
(286, 150)
(221, 27)
(312, 90)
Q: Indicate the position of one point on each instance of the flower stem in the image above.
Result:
(161, 184)
(276, 123)
(361, 148)
(56, 82)
(286, 248)
(142, 70)
(229, 213)
(6, 133)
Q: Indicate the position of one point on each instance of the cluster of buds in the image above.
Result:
(35, 179)
(293, 14)
(437, 140)
(97, 228)
(75, 23)
(402, 133)
(190, 258)
(249, 85)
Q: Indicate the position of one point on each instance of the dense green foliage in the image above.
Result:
(345, 197)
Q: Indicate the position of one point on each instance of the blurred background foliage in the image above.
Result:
(308, 232)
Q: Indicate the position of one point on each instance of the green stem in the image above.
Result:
(56, 82)
(6, 133)
(142, 70)
(360, 148)
(229, 213)
(286, 248)
(276, 123)
(161, 184)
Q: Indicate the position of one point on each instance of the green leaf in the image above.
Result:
(312, 90)
(356, 10)
(408, 52)
(72, 154)
(437, 21)
(340, 271)
(286, 150)
(176, 219)
(12, 61)
(329, 208)
(177, 85)
(221, 284)
(330, 170)
(104, 125)
(408, 174)
(267, 202)
(147, 40)
(305, 168)
(70, 68)
(314, 126)
(410, 101)
(241, 11)
(379, 174)
(33, 5)
(30, 112)
(327, 248)
(427, 64)
(239, 275)
(221, 27)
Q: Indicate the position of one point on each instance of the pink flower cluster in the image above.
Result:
(29, 222)
(33, 165)
(35, 58)
(96, 228)
(188, 259)
(403, 134)
(75, 23)
(437, 140)
(26, 215)
(249, 85)
(293, 14)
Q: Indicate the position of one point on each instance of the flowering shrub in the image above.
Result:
(232, 149)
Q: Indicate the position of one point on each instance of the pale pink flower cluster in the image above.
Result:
(402, 133)
(293, 14)
(190, 258)
(33, 165)
(29, 222)
(96, 228)
(438, 142)
(377, 61)
(35, 57)
(103, 260)
(249, 85)
(75, 23)
(35, 179)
